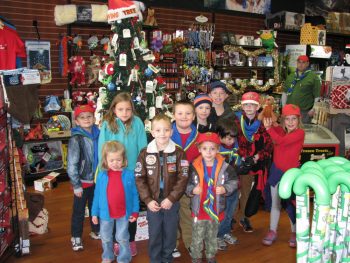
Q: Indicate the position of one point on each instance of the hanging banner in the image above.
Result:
(38, 57)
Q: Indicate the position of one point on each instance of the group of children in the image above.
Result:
(191, 176)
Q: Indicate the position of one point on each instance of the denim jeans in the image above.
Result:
(162, 227)
(78, 214)
(121, 235)
(231, 204)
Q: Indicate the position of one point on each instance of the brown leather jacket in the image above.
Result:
(148, 172)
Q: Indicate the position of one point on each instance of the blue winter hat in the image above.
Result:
(202, 98)
(218, 84)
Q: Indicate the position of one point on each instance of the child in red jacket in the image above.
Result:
(288, 142)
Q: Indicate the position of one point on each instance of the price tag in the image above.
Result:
(114, 40)
(136, 43)
(152, 112)
(122, 60)
(126, 33)
(46, 157)
(159, 101)
(149, 86)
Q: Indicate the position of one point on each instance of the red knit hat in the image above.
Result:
(290, 109)
(208, 137)
(120, 9)
(251, 97)
(83, 108)
(303, 58)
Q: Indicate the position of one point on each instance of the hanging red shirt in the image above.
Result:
(11, 46)
(116, 195)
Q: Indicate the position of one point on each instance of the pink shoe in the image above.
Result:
(292, 241)
(116, 249)
(133, 248)
(269, 238)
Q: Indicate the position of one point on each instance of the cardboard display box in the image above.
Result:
(285, 20)
(46, 183)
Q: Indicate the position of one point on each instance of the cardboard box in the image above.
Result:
(285, 20)
(46, 183)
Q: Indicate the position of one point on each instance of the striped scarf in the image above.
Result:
(297, 78)
(208, 203)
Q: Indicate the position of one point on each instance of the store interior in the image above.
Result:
(61, 54)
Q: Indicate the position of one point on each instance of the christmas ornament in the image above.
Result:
(109, 68)
(148, 72)
(111, 86)
(92, 42)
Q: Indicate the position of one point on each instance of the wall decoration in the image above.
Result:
(250, 6)
(38, 57)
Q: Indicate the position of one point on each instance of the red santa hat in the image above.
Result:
(120, 9)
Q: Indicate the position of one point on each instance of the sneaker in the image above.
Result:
(76, 243)
(221, 244)
(116, 249)
(211, 260)
(292, 241)
(245, 223)
(176, 253)
(133, 248)
(230, 239)
(270, 237)
(95, 235)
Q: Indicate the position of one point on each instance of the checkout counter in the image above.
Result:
(320, 143)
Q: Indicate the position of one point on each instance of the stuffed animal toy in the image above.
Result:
(268, 39)
(77, 70)
(79, 97)
(268, 110)
(91, 98)
(99, 105)
(150, 20)
(93, 69)
(35, 133)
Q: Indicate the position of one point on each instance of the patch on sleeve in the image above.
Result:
(138, 167)
(184, 163)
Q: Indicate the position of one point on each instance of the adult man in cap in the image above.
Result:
(302, 88)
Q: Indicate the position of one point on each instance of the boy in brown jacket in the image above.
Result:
(161, 179)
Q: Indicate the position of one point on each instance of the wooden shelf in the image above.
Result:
(291, 31)
(242, 67)
(47, 140)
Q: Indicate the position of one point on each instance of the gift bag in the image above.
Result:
(340, 97)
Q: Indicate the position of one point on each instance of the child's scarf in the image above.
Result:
(176, 137)
(248, 130)
(296, 79)
(208, 203)
(232, 153)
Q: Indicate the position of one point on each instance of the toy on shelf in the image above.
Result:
(150, 20)
(35, 133)
(268, 38)
(79, 97)
(91, 98)
(77, 70)
(93, 69)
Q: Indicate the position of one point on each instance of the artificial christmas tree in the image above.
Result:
(131, 69)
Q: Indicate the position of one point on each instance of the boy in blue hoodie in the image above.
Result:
(81, 167)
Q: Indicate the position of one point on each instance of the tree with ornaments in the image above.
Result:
(131, 67)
